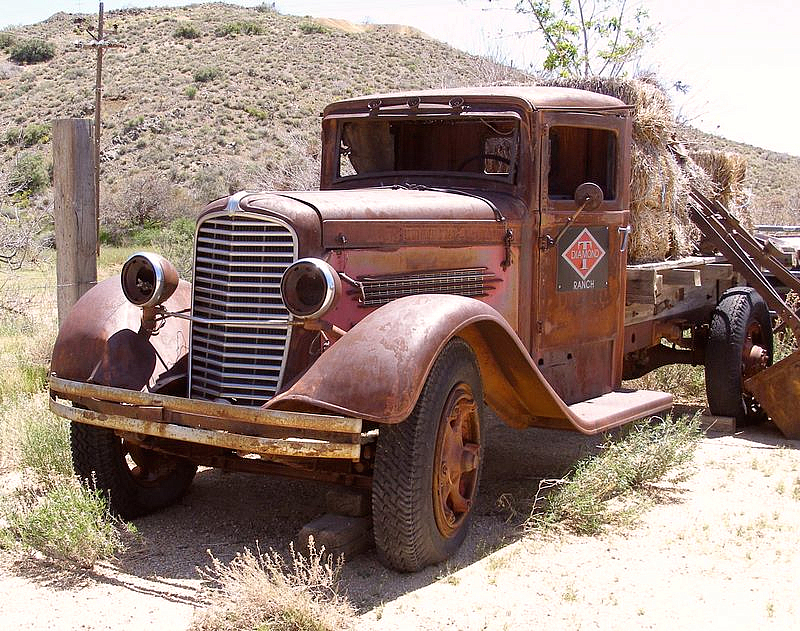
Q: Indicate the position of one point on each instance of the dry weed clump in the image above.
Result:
(263, 591)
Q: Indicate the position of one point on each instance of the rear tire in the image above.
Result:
(427, 468)
(135, 481)
(739, 345)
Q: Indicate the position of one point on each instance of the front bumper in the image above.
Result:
(258, 431)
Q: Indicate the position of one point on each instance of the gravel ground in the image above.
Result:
(717, 551)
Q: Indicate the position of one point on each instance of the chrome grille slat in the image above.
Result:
(239, 262)
(217, 262)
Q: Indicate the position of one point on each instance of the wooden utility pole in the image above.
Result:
(74, 210)
(99, 44)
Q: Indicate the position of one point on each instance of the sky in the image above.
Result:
(738, 58)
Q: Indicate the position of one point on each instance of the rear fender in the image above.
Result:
(100, 341)
(376, 371)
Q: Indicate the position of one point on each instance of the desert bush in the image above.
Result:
(262, 591)
(239, 28)
(785, 341)
(44, 442)
(66, 521)
(310, 28)
(21, 233)
(176, 242)
(686, 383)
(641, 456)
(31, 51)
(266, 7)
(187, 31)
(28, 175)
(6, 40)
(28, 136)
(204, 75)
(141, 203)
(296, 168)
(191, 91)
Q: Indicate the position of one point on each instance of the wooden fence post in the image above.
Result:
(74, 209)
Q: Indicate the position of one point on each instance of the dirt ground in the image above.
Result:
(717, 551)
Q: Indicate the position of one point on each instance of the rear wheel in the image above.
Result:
(739, 345)
(427, 468)
(135, 480)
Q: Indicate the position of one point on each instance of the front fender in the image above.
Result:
(100, 341)
(376, 371)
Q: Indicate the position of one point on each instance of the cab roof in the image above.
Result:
(529, 97)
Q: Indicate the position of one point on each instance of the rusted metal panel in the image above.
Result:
(101, 341)
(236, 442)
(378, 368)
(777, 389)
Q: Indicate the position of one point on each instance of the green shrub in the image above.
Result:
(32, 51)
(6, 40)
(309, 28)
(204, 75)
(641, 456)
(187, 31)
(29, 174)
(191, 91)
(176, 242)
(238, 28)
(44, 445)
(28, 136)
(67, 522)
(256, 112)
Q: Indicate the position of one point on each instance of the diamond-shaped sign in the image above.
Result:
(584, 253)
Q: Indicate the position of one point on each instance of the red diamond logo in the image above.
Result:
(584, 253)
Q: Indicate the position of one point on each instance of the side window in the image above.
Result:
(578, 155)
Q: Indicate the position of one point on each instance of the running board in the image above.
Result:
(617, 408)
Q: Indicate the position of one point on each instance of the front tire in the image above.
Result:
(136, 481)
(427, 468)
(739, 345)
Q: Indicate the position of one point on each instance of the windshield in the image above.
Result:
(483, 147)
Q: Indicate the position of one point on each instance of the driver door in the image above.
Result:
(581, 271)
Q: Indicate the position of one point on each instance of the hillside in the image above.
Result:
(210, 98)
(205, 111)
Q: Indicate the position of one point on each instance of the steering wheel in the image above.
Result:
(483, 156)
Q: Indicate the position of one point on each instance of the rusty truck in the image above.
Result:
(466, 250)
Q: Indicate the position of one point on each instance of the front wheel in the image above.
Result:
(427, 468)
(739, 345)
(135, 480)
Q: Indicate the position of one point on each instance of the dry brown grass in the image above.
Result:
(263, 591)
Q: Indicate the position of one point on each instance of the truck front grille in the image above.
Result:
(239, 261)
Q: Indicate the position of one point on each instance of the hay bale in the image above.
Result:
(662, 173)
(726, 170)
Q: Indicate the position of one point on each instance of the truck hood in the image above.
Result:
(387, 216)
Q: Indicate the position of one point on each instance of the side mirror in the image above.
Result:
(588, 196)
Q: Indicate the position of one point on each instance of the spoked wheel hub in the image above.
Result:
(755, 357)
(457, 460)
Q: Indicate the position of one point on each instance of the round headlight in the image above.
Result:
(309, 288)
(148, 279)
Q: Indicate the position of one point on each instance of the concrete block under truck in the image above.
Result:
(466, 249)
